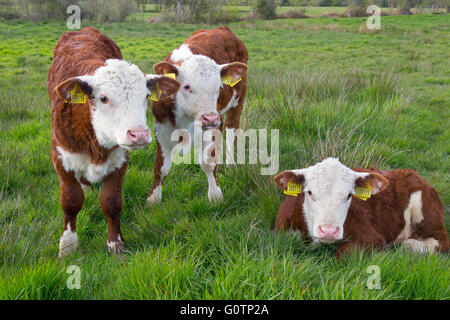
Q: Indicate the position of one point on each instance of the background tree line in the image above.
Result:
(185, 10)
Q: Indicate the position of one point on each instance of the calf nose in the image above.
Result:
(138, 136)
(210, 120)
(328, 232)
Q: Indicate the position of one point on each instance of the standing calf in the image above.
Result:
(402, 207)
(203, 64)
(99, 107)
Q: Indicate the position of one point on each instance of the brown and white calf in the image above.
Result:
(201, 64)
(99, 104)
(402, 208)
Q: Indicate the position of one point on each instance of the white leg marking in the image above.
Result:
(117, 246)
(208, 164)
(413, 215)
(167, 161)
(163, 134)
(156, 195)
(214, 192)
(421, 246)
(68, 242)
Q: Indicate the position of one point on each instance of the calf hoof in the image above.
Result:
(412, 245)
(155, 196)
(215, 195)
(68, 243)
(421, 246)
(116, 247)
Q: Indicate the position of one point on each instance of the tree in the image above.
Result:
(266, 9)
(179, 16)
(358, 3)
(142, 4)
(404, 6)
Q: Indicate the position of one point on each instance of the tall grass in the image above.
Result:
(319, 82)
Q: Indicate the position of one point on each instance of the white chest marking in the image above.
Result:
(82, 165)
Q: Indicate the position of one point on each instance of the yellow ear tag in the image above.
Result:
(363, 193)
(293, 189)
(156, 93)
(77, 95)
(228, 80)
(171, 75)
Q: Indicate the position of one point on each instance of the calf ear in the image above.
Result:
(65, 88)
(376, 181)
(236, 70)
(164, 67)
(282, 179)
(166, 85)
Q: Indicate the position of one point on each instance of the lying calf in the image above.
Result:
(99, 105)
(362, 207)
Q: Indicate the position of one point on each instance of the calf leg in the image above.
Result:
(420, 246)
(163, 163)
(424, 229)
(214, 192)
(111, 203)
(72, 198)
(436, 241)
(209, 167)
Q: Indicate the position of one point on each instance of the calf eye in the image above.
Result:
(104, 99)
(187, 87)
(310, 195)
(349, 196)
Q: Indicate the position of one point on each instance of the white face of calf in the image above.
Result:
(200, 79)
(117, 93)
(328, 188)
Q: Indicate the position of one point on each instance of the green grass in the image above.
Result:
(373, 99)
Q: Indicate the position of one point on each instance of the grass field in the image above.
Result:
(378, 99)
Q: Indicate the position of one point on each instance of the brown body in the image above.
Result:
(380, 220)
(78, 53)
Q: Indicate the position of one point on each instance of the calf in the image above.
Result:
(99, 107)
(363, 207)
(203, 64)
